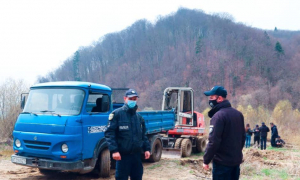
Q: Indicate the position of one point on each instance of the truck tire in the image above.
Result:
(156, 151)
(186, 147)
(203, 144)
(178, 143)
(104, 163)
(47, 172)
(200, 144)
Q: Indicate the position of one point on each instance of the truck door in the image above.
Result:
(94, 121)
(185, 107)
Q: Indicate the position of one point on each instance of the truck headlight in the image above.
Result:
(64, 148)
(18, 143)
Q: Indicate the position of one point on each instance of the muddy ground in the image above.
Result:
(272, 163)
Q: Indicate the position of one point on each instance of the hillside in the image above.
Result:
(191, 48)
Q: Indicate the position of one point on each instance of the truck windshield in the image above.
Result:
(55, 101)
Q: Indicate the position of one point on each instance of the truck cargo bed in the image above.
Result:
(158, 121)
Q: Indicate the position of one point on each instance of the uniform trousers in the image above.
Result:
(129, 166)
(221, 172)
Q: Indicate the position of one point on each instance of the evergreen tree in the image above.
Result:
(278, 48)
(199, 44)
(275, 29)
(76, 66)
(267, 37)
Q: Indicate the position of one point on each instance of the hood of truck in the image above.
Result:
(51, 124)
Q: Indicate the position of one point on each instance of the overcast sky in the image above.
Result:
(36, 36)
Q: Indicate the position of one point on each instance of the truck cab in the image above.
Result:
(62, 128)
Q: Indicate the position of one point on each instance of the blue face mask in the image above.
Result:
(131, 104)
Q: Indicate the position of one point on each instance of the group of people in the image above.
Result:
(260, 136)
(126, 139)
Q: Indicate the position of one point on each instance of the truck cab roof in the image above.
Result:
(72, 84)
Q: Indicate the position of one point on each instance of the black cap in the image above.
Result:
(256, 125)
(217, 90)
(263, 123)
(131, 93)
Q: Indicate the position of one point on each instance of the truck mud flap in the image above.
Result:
(171, 153)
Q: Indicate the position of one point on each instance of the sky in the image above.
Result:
(37, 36)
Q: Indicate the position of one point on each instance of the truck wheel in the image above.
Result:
(200, 144)
(47, 172)
(178, 143)
(104, 163)
(186, 147)
(156, 151)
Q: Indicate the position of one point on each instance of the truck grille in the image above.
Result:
(37, 144)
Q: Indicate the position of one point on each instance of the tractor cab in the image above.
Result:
(181, 100)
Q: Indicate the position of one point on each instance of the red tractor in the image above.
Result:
(188, 134)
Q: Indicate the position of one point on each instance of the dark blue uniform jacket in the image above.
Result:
(126, 132)
(226, 137)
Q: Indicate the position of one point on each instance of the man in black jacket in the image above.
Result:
(226, 136)
(126, 139)
(274, 134)
(263, 135)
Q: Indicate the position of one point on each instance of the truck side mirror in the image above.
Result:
(23, 99)
(105, 103)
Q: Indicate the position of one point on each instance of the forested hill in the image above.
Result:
(191, 48)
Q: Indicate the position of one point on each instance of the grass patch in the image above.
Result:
(265, 158)
(199, 154)
(175, 161)
(267, 172)
(295, 150)
(273, 173)
(6, 150)
(277, 149)
(253, 177)
(191, 172)
(248, 169)
(154, 166)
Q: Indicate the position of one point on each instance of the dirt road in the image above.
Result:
(185, 169)
(272, 163)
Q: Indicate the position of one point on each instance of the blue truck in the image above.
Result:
(62, 125)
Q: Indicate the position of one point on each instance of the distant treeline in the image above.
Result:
(191, 48)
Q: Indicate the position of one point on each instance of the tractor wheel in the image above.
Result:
(186, 147)
(156, 151)
(200, 144)
(178, 143)
(104, 163)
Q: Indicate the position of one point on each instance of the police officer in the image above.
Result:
(274, 134)
(263, 135)
(226, 136)
(126, 138)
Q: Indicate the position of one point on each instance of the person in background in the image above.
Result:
(226, 136)
(263, 135)
(274, 134)
(279, 142)
(126, 138)
(256, 136)
(248, 135)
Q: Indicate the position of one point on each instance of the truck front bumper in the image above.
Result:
(47, 164)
